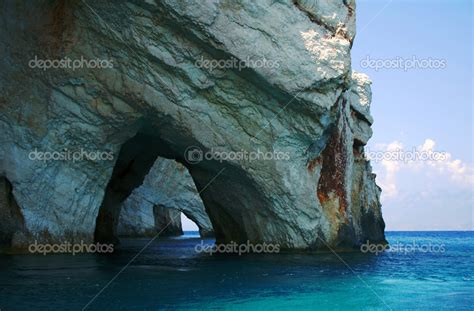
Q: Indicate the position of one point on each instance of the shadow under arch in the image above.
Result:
(230, 197)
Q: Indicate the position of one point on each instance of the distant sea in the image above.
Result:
(422, 271)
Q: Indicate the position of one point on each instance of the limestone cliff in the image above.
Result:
(158, 94)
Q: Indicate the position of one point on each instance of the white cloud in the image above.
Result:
(423, 188)
(388, 181)
(424, 159)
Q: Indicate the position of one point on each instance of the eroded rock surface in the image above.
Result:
(310, 107)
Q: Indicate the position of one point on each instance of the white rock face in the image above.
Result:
(337, 16)
(159, 98)
(169, 185)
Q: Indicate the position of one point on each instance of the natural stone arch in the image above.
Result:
(134, 161)
(157, 87)
(168, 185)
(140, 166)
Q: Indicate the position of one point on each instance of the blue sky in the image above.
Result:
(430, 107)
(415, 104)
(420, 108)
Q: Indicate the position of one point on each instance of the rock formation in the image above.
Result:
(172, 78)
(168, 221)
(138, 220)
(167, 185)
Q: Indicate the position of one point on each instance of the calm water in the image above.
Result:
(169, 274)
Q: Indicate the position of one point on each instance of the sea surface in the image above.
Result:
(422, 271)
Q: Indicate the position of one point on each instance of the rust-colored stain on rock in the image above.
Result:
(334, 167)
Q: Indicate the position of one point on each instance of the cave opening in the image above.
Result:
(148, 193)
(188, 224)
(233, 207)
(10, 214)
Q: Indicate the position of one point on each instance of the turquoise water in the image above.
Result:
(169, 274)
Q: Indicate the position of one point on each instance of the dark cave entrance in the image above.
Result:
(231, 198)
(10, 214)
(134, 162)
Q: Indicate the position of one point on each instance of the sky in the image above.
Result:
(428, 109)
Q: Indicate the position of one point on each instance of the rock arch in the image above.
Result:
(168, 185)
(160, 87)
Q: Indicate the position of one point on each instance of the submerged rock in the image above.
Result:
(275, 145)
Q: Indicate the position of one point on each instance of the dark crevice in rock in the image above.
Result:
(314, 150)
(10, 214)
(360, 116)
(350, 5)
(365, 198)
(346, 237)
(358, 149)
(350, 8)
(313, 153)
(374, 228)
(317, 21)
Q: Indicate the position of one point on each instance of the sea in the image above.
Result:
(420, 271)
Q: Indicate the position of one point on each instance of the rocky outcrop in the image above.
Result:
(168, 221)
(171, 79)
(139, 221)
(169, 185)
